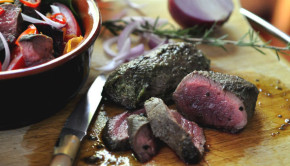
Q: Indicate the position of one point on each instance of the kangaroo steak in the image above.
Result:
(155, 74)
(216, 100)
(115, 133)
(10, 22)
(36, 49)
(141, 138)
(185, 137)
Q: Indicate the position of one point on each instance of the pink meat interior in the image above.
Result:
(192, 129)
(120, 128)
(144, 144)
(204, 101)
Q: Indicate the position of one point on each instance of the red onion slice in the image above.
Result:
(7, 53)
(188, 13)
(54, 9)
(126, 33)
(124, 50)
(154, 41)
(108, 44)
(32, 20)
(135, 52)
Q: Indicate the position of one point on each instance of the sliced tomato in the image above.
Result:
(0, 66)
(72, 27)
(17, 61)
(30, 30)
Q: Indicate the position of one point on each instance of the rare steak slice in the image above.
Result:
(36, 49)
(115, 133)
(185, 137)
(155, 74)
(217, 100)
(10, 22)
(141, 138)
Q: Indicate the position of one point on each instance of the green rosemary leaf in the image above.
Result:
(259, 50)
(277, 54)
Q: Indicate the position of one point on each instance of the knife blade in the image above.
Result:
(267, 26)
(76, 125)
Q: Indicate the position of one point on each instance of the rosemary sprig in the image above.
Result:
(197, 35)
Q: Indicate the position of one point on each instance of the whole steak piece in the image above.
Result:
(10, 22)
(36, 49)
(155, 74)
(216, 100)
(141, 138)
(115, 133)
(185, 137)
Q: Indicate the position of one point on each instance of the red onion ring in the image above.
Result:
(31, 19)
(125, 52)
(54, 9)
(107, 46)
(7, 53)
(126, 33)
(135, 52)
(154, 41)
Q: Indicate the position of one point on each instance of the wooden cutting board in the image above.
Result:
(261, 143)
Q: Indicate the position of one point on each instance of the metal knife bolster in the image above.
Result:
(69, 142)
(67, 145)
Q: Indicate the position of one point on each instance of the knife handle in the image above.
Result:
(66, 151)
(61, 160)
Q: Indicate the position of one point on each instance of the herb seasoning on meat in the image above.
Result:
(155, 74)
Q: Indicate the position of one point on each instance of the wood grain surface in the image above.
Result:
(260, 143)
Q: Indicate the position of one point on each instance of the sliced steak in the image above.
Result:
(155, 74)
(55, 34)
(36, 49)
(115, 133)
(141, 139)
(10, 22)
(185, 137)
(217, 100)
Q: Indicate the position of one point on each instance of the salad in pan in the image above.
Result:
(33, 32)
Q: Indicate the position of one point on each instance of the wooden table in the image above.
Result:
(258, 144)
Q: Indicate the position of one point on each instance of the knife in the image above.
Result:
(75, 127)
(269, 27)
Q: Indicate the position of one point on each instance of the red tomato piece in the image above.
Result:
(17, 61)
